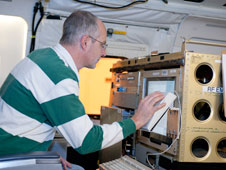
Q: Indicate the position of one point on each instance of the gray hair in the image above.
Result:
(78, 24)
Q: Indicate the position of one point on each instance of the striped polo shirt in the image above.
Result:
(40, 96)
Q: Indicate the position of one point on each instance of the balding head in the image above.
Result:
(78, 24)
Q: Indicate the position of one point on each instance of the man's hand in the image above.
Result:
(65, 163)
(146, 109)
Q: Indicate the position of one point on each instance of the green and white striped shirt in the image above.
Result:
(40, 96)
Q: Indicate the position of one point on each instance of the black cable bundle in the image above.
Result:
(38, 7)
(110, 7)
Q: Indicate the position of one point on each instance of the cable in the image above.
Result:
(165, 1)
(38, 7)
(178, 135)
(151, 165)
(120, 7)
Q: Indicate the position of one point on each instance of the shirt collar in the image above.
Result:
(66, 57)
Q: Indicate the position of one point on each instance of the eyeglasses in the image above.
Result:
(103, 45)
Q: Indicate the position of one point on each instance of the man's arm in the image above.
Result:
(66, 112)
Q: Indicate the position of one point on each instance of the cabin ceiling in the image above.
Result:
(203, 8)
(203, 3)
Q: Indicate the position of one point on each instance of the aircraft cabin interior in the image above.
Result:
(177, 47)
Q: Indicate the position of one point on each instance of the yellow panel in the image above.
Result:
(95, 85)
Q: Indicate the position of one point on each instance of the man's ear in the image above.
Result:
(84, 41)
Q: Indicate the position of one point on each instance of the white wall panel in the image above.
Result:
(13, 33)
(149, 39)
(202, 29)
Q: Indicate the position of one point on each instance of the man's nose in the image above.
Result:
(104, 53)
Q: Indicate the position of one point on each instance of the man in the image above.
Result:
(40, 95)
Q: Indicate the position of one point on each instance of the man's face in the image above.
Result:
(97, 49)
